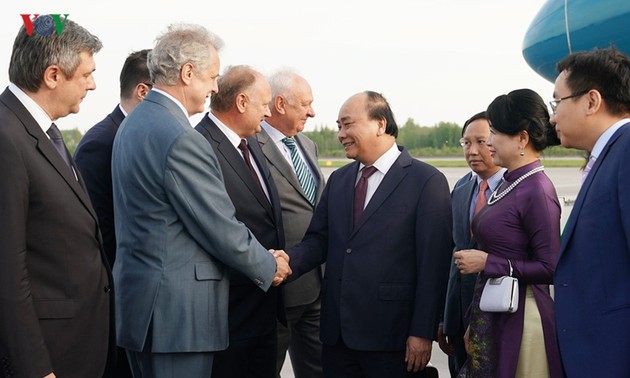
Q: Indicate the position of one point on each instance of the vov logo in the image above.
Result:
(46, 24)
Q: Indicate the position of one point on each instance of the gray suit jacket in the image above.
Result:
(460, 286)
(296, 210)
(175, 229)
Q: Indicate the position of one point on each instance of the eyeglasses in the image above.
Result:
(554, 103)
(467, 143)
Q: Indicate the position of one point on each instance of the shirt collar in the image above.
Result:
(494, 180)
(176, 101)
(605, 137)
(385, 162)
(36, 111)
(273, 133)
(234, 139)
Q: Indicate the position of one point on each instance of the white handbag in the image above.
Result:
(500, 294)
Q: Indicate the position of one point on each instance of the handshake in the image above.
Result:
(283, 270)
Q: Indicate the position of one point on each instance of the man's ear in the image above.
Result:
(241, 102)
(594, 101)
(186, 73)
(280, 104)
(52, 75)
(141, 91)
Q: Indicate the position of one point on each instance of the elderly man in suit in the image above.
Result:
(469, 195)
(591, 112)
(54, 279)
(235, 116)
(176, 228)
(383, 226)
(94, 159)
(293, 160)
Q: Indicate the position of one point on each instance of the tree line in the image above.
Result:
(440, 140)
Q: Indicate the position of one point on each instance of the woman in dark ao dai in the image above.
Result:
(520, 223)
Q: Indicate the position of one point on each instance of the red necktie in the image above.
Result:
(360, 191)
(245, 150)
(481, 197)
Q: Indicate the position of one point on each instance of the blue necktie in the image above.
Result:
(301, 170)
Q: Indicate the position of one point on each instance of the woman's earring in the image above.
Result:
(522, 152)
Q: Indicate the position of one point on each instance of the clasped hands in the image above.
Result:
(470, 260)
(283, 270)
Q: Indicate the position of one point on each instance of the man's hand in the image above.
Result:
(443, 341)
(418, 353)
(283, 270)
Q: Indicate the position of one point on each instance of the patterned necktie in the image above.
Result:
(589, 165)
(360, 191)
(57, 141)
(301, 170)
(481, 197)
(243, 147)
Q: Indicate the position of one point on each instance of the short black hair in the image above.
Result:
(480, 115)
(378, 108)
(134, 71)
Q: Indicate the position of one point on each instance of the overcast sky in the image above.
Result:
(434, 60)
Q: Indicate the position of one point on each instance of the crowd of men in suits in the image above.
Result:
(194, 223)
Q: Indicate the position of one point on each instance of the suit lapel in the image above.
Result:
(579, 201)
(276, 159)
(233, 158)
(46, 149)
(394, 176)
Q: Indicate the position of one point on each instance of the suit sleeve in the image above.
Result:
(195, 188)
(20, 332)
(433, 240)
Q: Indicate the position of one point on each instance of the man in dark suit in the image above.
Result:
(236, 113)
(94, 159)
(467, 199)
(176, 228)
(94, 152)
(54, 279)
(291, 107)
(383, 227)
(591, 112)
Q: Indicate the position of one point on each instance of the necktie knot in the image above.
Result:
(589, 165)
(289, 142)
(366, 172)
(243, 145)
(54, 133)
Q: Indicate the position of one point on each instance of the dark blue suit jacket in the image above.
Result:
(252, 312)
(386, 279)
(592, 278)
(460, 286)
(94, 159)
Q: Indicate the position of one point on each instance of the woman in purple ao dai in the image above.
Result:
(520, 226)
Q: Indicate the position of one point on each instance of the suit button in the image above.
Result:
(106, 289)
(349, 250)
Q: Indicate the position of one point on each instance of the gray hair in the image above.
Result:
(33, 54)
(181, 44)
(281, 81)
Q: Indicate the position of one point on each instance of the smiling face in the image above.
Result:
(504, 149)
(476, 150)
(357, 133)
(202, 84)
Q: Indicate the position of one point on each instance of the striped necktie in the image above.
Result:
(301, 170)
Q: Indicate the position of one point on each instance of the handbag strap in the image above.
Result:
(510, 263)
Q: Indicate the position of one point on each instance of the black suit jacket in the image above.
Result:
(54, 278)
(385, 278)
(94, 159)
(460, 286)
(252, 312)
